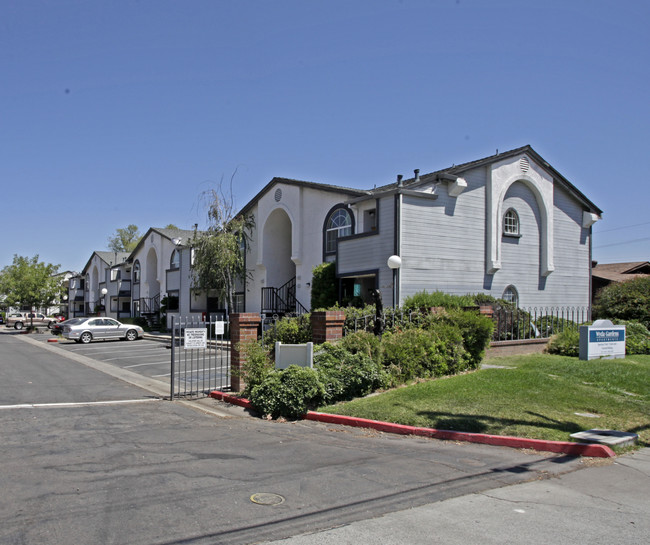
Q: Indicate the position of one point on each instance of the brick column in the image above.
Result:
(327, 325)
(243, 330)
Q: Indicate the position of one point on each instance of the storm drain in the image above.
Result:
(264, 498)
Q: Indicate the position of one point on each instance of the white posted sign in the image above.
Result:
(196, 337)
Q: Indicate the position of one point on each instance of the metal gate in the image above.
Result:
(200, 356)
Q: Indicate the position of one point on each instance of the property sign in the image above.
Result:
(219, 328)
(196, 337)
(602, 340)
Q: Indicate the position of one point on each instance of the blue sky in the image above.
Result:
(122, 112)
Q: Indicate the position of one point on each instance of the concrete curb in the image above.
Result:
(560, 447)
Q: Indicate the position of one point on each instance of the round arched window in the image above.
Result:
(511, 222)
(136, 272)
(338, 224)
(510, 294)
(175, 261)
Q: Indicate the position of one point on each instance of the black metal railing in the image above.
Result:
(282, 300)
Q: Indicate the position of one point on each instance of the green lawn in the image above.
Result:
(536, 396)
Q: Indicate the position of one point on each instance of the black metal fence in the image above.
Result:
(200, 356)
(510, 324)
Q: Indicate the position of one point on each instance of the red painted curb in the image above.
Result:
(560, 447)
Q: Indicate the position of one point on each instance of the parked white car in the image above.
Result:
(85, 330)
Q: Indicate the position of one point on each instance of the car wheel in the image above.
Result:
(18, 325)
(131, 335)
(85, 337)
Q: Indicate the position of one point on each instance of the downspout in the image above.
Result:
(398, 240)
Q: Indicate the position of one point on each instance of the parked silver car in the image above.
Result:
(85, 330)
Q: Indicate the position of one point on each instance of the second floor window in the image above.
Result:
(338, 224)
(175, 261)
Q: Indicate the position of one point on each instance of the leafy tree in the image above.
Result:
(29, 283)
(220, 251)
(125, 240)
(625, 301)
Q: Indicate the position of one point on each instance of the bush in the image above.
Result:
(425, 300)
(256, 367)
(345, 374)
(625, 301)
(362, 342)
(289, 393)
(476, 331)
(566, 343)
(324, 286)
(413, 353)
(289, 330)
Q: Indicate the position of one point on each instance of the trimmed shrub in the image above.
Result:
(425, 300)
(362, 342)
(566, 343)
(345, 374)
(289, 330)
(324, 286)
(476, 331)
(289, 393)
(413, 353)
(257, 366)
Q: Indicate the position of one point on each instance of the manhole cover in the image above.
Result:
(264, 498)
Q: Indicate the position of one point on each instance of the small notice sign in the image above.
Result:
(220, 328)
(196, 338)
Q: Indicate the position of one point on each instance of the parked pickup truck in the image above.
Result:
(19, 320)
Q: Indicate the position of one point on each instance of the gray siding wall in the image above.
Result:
(443, 242)
(370, 252)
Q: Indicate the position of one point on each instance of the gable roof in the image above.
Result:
(527, 149)
(301, 183)
(110, 258)
(184, 234)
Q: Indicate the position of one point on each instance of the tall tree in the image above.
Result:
(29, 283)
(124, 240)
(220, 251)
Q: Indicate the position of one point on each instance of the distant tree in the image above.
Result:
(628, 300)
(124, 240)
(29, 283)
(171, 226)
(220, 251)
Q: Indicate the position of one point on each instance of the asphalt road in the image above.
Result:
(92, 454)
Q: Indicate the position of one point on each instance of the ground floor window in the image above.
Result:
(510, 294)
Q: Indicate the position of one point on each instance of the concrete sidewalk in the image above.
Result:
(604, 504)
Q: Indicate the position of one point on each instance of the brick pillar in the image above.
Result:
(243, 330)
(327, 325)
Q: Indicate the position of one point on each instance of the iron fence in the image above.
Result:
(200, 356)
(510, 323)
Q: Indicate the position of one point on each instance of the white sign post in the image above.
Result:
(603, 339)
(195, 338)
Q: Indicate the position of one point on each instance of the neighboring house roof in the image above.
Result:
(110, 258)
(185, 235)
(620, 272)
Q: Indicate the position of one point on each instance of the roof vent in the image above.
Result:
(399, 180)
(278, 195)
(524, 165)
(417, 175)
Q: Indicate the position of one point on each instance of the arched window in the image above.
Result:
(338, 224)
(136, 272)
(511, 222)
(510, 294)
(175, 261)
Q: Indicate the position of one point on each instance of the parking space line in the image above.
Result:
(77, 404)
(166, 362)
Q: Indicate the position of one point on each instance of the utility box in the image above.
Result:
(294, 354)
(603, 340)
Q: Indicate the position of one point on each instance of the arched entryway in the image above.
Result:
(279, 291)
(150, 298)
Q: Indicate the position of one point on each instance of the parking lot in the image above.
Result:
(195, 370)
